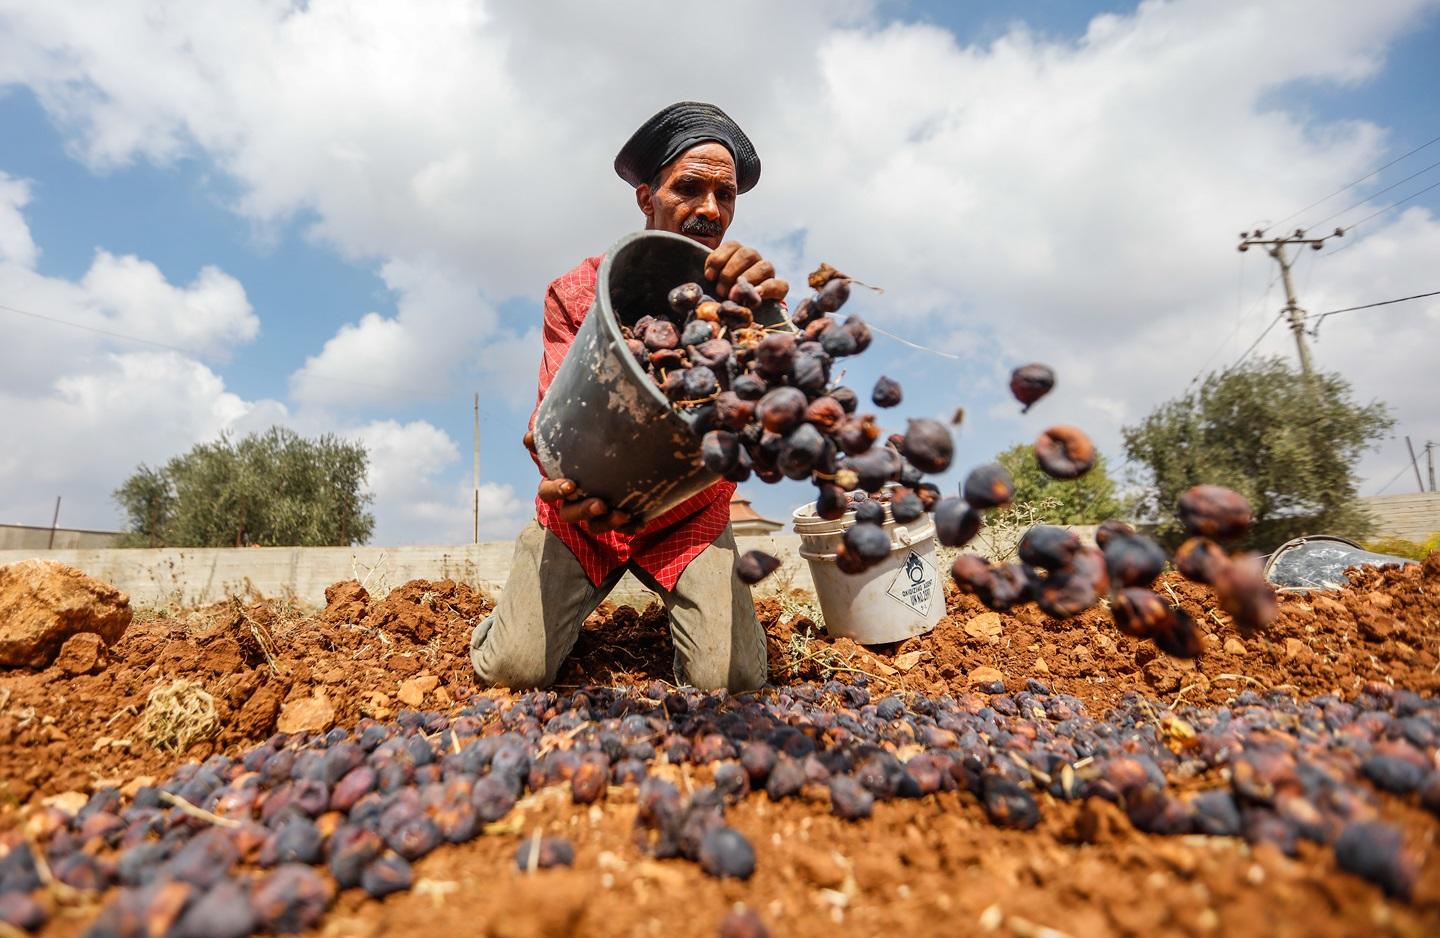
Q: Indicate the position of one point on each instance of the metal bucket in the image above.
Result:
(603, 423)
(1319, 562)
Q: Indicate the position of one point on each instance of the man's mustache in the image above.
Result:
(702, 227)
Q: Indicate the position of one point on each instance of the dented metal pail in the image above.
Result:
(603, 423)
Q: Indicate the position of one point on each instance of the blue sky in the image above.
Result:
(140, 169)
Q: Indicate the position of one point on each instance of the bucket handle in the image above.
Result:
(901, 538)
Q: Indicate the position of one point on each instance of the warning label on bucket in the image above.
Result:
(914, 583)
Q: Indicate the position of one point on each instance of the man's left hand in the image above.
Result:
(734, 261)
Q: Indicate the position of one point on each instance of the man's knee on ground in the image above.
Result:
(719, 674)
(495, 668)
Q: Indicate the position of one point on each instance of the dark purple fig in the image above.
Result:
(1048, 546)
(386, 874)
(874, 467)
(869, 511)
(1246, 595)
(988, 486)
(905, 506)
(831, 502)
(1007, 804)
(775, 354)
(856, 435)
(714, 354)
(291, 898)
(1141, 613)
(928, 445)
(846, 397)
(1183, 639)
(720, 450)
(732, 411)
(1201, 559)
(223, 912)
(661, 335)
(697, 332)
(726, 853)
(1111, 528)
(1215, 512)
(1075, 587)
(684, 298)
(1135, 560)
(1065, 452)
(839, 343)
(859, 331)
(825, 413)
(1031, 382)
(734, 316)
(800, 452)
(782, 409)
(543, 853)
(956, 523)
(810, 374)
(830, 297)
(869, 543)
(887, 393)
(744, 293)
(1375, 851)
(754, 566)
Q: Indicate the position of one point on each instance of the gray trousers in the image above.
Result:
(718, 641)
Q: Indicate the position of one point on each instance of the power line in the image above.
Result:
(195, 354)
(1258, 339)
(1350, 309)
(1348, 186)
(1373, 194)
(1233, 332)
(1387, 208)
(104, 332)
(1352, 243)
(1396, 476)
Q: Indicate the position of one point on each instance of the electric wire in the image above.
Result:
(1372, 195)
(1350, 309)
(1348, 186)
(197, 354)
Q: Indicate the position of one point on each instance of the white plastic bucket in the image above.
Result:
(896, 599)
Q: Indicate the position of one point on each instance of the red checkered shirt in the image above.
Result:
(665, 546)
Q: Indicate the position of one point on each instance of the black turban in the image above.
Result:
(678, 128)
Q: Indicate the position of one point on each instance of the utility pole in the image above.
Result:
(1430, 462)
(56, 521)
(1276, 249)
(1415, 464)
(477, 467)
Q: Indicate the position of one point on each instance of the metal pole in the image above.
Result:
(1293, 311)
(1415, 463)
(477, 467)
(1430, 463)
(53, 523)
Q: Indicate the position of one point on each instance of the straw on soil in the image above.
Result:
(178, 714)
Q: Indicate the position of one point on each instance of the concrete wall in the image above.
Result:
(194, 576)
(1413, 517)
(202, 575)
(29, 537)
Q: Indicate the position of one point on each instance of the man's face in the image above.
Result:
(693, 196)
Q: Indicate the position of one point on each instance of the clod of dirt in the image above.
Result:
(42, 603)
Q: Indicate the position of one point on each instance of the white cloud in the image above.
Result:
(1073, 201)
(415, 501)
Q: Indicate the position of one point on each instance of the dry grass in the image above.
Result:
(178, 714)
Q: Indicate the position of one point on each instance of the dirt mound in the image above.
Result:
(65, 728)
(929, 865)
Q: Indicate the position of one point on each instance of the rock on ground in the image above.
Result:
(43, 603)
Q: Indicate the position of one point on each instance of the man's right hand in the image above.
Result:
(572, 505)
